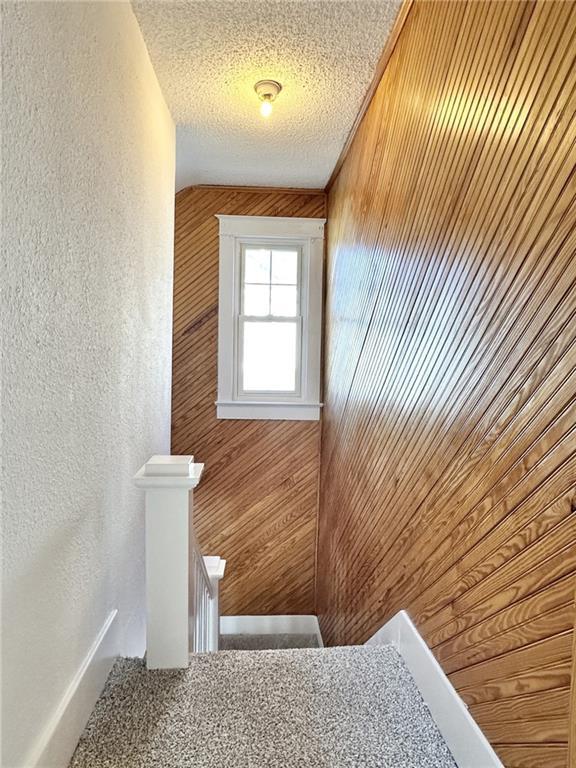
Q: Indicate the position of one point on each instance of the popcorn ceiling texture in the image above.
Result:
(208, 54)
(88, 191)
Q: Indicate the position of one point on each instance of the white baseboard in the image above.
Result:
(58, 740)
(271, 625)
(466, 742)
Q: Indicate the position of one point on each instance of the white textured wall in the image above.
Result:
(88, 184)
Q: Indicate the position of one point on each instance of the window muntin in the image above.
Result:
(270, 320)
(270, 280)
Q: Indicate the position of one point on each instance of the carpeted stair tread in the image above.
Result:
(346, 707)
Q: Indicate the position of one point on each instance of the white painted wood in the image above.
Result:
(270, 226)
(174, 466)
(228, 279)
(181, 585)
(167, 512)
(271, 625)
(467, 743)
(142, 480)
(278, 411)
(308, 236)
(57, 742)
(199, 593)
(168, 526)
(215, 567)
(205, 575)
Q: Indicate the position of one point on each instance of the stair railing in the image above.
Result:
(182, 613)
(205, 575)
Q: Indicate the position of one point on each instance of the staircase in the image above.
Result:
(346, 707)
(202, 700)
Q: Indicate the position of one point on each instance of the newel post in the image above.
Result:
(168, 482)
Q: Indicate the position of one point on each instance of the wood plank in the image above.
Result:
(532, 756)
(448, 462)
(537, 705)
(552, 730)
(554, 649)
(543, 679)
(260, 515)
(369, 95)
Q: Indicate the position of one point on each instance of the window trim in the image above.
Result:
(308, 235)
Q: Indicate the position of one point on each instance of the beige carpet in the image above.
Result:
(353, 707)
(267, 642)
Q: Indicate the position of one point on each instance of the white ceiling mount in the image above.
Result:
(267, 90)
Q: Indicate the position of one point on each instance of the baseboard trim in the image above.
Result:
(271, 625)
(57, 742)
(466, 742)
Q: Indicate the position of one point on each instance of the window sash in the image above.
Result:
(270, 246)
(267, 394)
(241, 319)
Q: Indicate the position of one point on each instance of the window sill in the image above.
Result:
(268, 410)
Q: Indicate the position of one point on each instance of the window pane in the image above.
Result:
(284, 300)
(256, 300)
(256, 265)
(285, 267)
(269, 357)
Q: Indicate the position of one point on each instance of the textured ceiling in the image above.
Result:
(209, 53)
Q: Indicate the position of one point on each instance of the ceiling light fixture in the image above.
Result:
(267, 91)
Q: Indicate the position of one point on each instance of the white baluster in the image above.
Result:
(205, 619)
(199, 593)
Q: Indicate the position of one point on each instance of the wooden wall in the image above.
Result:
(257, 503)
(448, 463)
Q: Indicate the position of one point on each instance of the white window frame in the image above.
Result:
(308, 236)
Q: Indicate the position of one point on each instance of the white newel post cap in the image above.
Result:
(215, 567)
(169, 472)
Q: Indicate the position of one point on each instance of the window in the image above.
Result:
(269, 317)
(270, 326)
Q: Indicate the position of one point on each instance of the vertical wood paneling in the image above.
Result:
(257, 503)
(448, 465)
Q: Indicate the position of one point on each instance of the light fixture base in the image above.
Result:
(267, 90)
